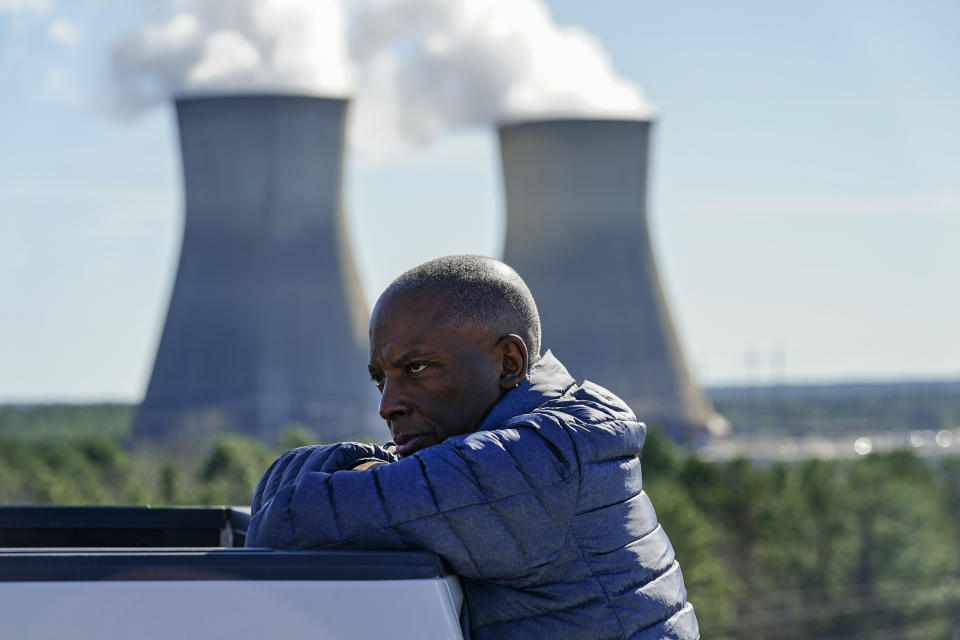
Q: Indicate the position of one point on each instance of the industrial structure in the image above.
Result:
(577, 233)
(266, 326)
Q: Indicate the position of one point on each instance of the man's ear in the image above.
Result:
(511, 352)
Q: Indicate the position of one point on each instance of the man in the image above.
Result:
(526, 483)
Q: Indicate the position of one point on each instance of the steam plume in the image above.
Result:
(416, 68)
(226, 46)
(444, 65)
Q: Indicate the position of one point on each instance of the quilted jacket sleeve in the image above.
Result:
(493, 504)
(290, 467)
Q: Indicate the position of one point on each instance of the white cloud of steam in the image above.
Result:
(416, 68)
(436, 65)
(233, 46)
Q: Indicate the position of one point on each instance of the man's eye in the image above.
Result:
(377, 380)
(416, 367)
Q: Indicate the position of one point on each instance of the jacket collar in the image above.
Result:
(547, 379)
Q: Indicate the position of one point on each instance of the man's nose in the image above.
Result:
(393, 402)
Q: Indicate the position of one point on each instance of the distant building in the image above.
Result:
(266, 325)
(577, 233)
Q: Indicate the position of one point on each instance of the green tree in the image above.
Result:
(233, 469)
(908, 546)
(711, 587)
(296, 435)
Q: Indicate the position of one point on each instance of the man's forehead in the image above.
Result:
(424, 305)
(419, 321)
(398, 342)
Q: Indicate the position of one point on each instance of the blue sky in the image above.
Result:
(804, 203)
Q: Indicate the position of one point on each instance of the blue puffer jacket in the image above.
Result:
(540, 511)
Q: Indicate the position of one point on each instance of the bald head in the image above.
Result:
(474, 290)
(448, 340)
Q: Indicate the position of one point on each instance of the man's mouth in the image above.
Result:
(408, 443)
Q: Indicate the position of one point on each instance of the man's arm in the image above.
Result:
(492, 503)
(290, 467)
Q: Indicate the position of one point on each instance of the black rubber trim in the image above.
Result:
(69, 564)
(120, 517)
(122, 526)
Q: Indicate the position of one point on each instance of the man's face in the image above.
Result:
(436, 379)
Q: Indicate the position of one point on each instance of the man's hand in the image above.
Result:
(363, 465)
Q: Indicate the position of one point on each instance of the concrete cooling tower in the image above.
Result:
(577, 233)
(266, 325)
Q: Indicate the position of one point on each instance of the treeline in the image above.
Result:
(41, 422)
(853, 408)
(843, 408)
(101, 470)
(864, 548)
